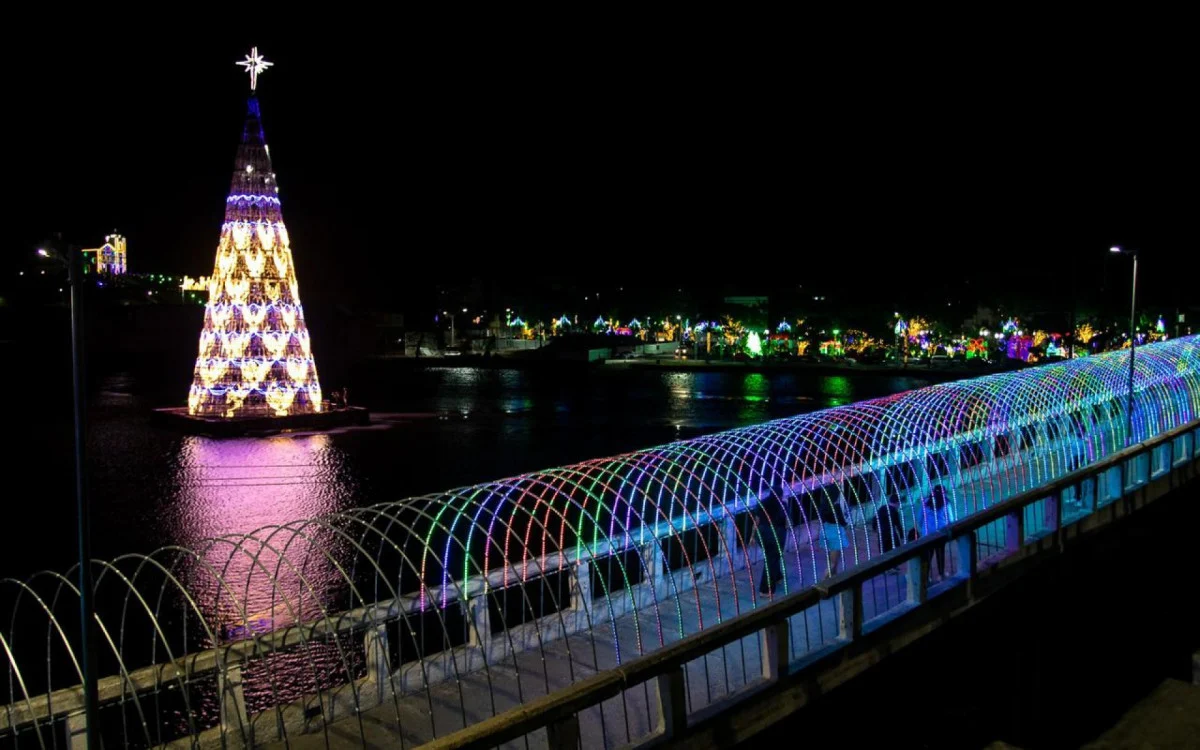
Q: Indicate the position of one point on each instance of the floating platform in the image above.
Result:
(177, 418)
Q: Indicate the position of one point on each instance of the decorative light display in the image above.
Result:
(831, 348)
(1049, 420)
(1018, 346)
(1161, 325)
(855, 341)
(754, 344)
(254, 64)
(255, 356)
(188, 284)
(733, 330)
(783, 327)
(110, 258)
(674, 533)
(1085, 333)
(668, 332)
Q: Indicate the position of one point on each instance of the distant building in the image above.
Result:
(109, 258)
(748, 301)
(751, 310)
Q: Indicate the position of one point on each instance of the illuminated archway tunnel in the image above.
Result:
(613, 556)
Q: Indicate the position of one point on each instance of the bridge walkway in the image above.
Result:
(414, 718)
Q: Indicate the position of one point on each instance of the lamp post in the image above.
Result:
(450, 315)
(1132, 339)
(87, 607)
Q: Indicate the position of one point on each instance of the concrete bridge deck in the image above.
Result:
(418, 718)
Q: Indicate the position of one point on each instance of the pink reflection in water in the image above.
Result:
(239, 508)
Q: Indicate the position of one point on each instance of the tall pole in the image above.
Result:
(1132, 346)
(1071, 321)
(87, 612)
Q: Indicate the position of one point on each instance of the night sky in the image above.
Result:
(418, 160)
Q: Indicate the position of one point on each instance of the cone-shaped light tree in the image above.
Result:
(255, 357)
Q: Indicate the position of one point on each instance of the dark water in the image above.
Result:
(433, 429)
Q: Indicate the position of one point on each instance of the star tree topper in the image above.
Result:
(254, 64)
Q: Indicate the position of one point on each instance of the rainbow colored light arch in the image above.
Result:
(984, 440)
(674, 534)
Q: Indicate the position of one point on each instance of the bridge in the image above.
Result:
(689, 591)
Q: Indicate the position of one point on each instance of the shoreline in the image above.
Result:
(940, 374)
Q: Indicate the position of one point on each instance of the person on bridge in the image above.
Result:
(835, 520)
(888, 524)
(774, 524)
(937, 517)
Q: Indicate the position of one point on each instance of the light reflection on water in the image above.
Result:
(227, 489)
(237, 485)
(838, 389)
(232, 497)
(152, 488)
(237, 504)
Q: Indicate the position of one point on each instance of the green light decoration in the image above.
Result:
(754, 344)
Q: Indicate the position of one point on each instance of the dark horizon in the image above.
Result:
(528, 176)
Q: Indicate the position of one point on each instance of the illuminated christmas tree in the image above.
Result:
(255, 357)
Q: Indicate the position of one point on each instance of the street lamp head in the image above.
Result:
(1114, 249)
(42, 252)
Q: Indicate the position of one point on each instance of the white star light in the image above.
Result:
(254, 64)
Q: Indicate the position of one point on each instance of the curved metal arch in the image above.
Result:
(950, 434)
(256, 562)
